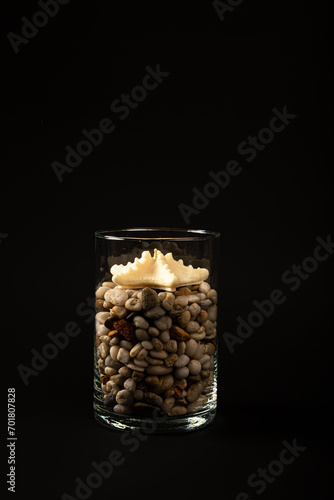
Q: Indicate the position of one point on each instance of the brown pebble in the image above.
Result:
(113, 333)
(178, 333)
(184, 318)
(138, 376)
(104, 379)
(202, 316)
(182, 291)
(126, 329)
(170, 360)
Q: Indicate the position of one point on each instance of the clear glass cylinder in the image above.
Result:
(155, 346)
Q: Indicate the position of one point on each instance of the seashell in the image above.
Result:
(160, 271)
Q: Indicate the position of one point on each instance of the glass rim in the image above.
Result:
(188, 234)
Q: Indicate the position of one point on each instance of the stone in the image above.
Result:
(177, 410)
(138, 376)
(155, 400)
(126, 344)
(114, 351)
(104, 350)
(158, 345)
(209, 327)
(122, 409)
(212, 313)
(163, 323)
(153, 331)
(184, 318)
(204, 287)
(193, 298)
(162, 354)
(110, 371)
(197, 405)
(152, 380)
(192, 327)
(202, 316)
(171, 346)
(165, 383)
(210, 349)
(102, 316)
(138, 394)
(194, 367)
(168, 301)
(181, 348)
(140, 322)
(155, 313)
(191, 347)
(149, 298)
(181, 301)
(126, 329)
(199, 335)
(141, 355)
(158, 370)
(182, 360)
(99, 305)
(135, 350)
(133, 304)
(194, 391)
(154, 361)
(182, 372)
(213, 296)
(141, 334)
(135, 367)
(199, 351)
(164, 336)
(116, 296)
(178, 333)
(205, 304)
(118, 312)
(101, 330)
(194, 310)
(125, 371)
(100, 292)
(130, 385)
(170, 360)
(182, 291)
(108, 284)
(147, 344)
(124, 397)
(109, 399)
(176, 311)
(140, 362)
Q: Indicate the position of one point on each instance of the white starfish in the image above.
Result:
(160, 271)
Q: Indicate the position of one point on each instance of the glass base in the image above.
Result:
(157, 425)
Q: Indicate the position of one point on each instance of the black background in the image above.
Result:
(225, 79)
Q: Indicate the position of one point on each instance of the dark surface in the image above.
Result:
(225, 79)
